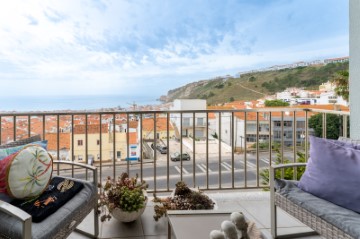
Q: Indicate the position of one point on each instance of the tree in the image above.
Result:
(271, 103)
(341, 81)
(231, 99)
(252, 79)
(333, 124)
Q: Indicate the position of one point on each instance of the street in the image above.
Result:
(196, 173)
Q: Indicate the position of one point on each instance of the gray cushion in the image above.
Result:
(353, 141)
(21, 142)
(11, 228)
(6, 198)
(332, 173)
(342, 218)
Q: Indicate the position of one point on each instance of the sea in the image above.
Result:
(83, 102)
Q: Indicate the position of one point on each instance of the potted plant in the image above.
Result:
(125, 198)
(183, 198)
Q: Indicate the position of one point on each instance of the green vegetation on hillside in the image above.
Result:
(341, 81)
(252, 86)
(271, 103)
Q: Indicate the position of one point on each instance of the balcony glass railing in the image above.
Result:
(223, 155)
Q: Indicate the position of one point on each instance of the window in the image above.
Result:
(98, 142)
(200, 121)
(300, 124)
(288, 134)
(80, 142)
(118, 154)
(277, 134)
(251, 138)
(251, 127)
(80, 158)
(186, 121)
(287, 123)
(263, 127)
(277, 123)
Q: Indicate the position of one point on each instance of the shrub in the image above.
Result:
(288, 172)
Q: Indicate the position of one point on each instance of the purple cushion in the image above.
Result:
(333, 173)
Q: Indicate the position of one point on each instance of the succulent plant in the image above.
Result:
(125, 193)
(184, 199)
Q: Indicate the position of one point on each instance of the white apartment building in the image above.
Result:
(188, 118)
(331, 98)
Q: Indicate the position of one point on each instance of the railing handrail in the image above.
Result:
(236, 136)
(272, 109)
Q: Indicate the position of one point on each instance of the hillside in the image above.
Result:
(252, 86)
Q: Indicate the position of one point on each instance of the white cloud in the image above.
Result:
(118, 47)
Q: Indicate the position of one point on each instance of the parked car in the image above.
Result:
(176, 156)
(161, 149)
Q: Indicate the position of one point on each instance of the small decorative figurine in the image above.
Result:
(229, 230)
(240, 223)
(216, 234)
(237, 228)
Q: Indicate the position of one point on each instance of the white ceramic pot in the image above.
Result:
(124, 216)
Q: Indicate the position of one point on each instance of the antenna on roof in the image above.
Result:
(133, 105)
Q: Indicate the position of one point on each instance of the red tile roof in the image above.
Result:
(64, 140)
(91, 129)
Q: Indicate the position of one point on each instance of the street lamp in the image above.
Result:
(302, 136)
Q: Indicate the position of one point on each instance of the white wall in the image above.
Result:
(354, 68)
(192, 105)
(189, 104)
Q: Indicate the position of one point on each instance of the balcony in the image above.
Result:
(226, 162)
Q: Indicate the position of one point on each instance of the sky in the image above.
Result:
(147, 47)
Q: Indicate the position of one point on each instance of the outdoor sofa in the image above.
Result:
(326, 218)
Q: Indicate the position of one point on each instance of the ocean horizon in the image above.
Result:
(84, 102)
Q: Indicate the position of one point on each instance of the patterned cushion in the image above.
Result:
(7, 151)
(28, 172)
(21, 142)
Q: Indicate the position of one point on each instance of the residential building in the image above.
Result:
(336, 60)
(187, 118)
(92, 144)
(161, 128)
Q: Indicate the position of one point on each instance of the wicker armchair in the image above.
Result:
(15, 223)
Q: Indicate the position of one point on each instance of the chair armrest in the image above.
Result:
(14, 211)
(287, 165)
(89, 167)
(273, 169)
(75, 164)
(20, 214)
